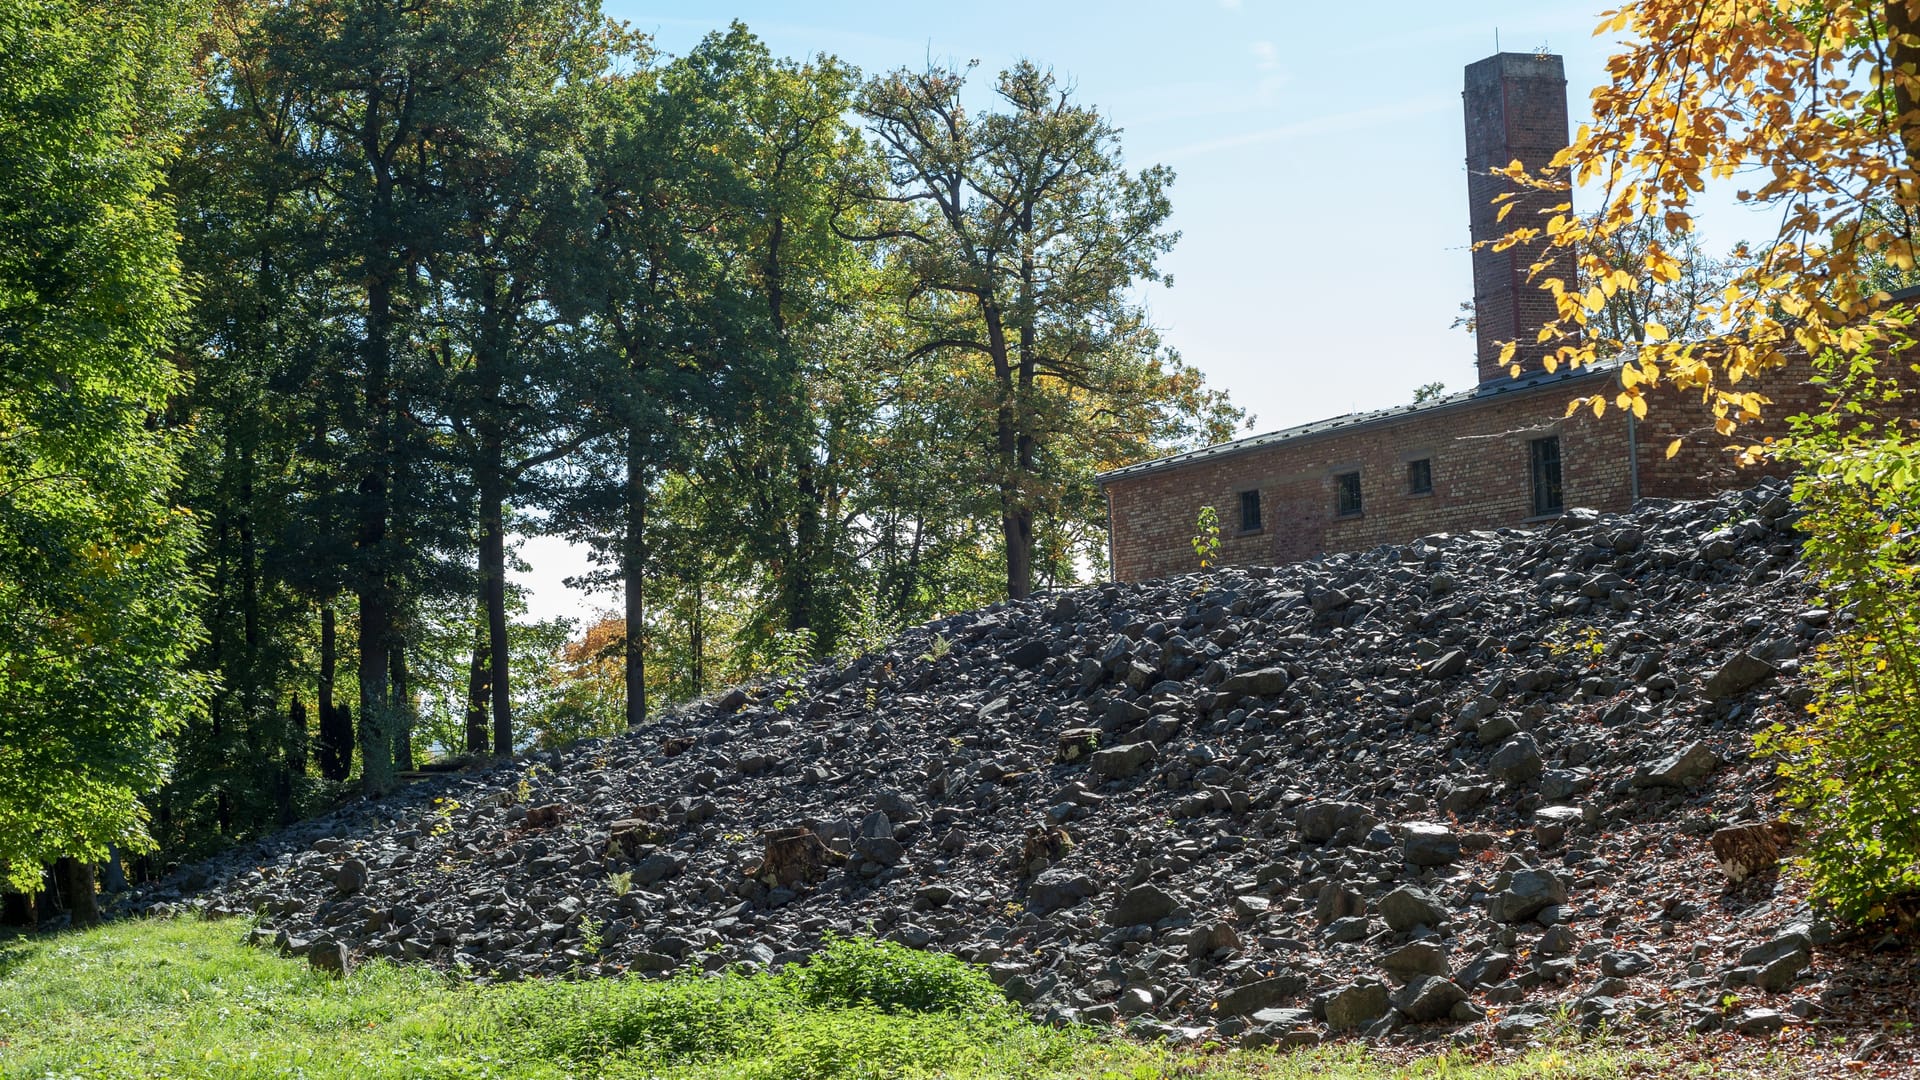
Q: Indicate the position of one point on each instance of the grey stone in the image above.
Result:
(1690, 765)
(1265, 682)
(1415, 959)
(1120, 762)
(1625, 964)
(1407, 907)
(1057, 888)
(1740, 673)
(1357, 1005)
(1516, 762)
(1428, 998)
(1254, 996)
(1447, 665)
(330, 957)
(1142, 904)
(1424, 843)
(1526, 895)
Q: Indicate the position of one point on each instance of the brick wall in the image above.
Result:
(1704, 463)
(1516, 109)
(1481, 479)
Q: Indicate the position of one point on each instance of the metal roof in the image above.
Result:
(1354, 421)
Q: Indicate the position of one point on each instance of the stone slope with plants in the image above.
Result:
(1464, 783)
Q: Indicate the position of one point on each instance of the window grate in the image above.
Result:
(1349, 500)
(1420, 477)
(1548, 495)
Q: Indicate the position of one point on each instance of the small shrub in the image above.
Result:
(1848, 769)
(1206, 536)
(893, 978)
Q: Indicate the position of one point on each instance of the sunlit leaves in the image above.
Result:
(1810, 105)
(95, 593)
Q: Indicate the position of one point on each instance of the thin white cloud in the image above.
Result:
(1230, 5)
(1356, 118)
(1265, 56)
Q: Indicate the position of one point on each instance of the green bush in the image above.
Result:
(690, 1018)
(1851, 769)
(852, 972)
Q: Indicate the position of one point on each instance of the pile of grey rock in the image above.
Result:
(1460, 786)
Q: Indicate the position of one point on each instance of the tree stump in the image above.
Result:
(795, 857)
(1751, 850)
(629, 836)
(1076, 743)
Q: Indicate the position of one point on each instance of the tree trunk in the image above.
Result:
(1903, 55)
(402, 706)
(336, 731)
(477, 732)
(1016, 521)
(375, 586)
(493, 588)
(76, 888)
(293, 761)
(116, 873)
(697, 635)
(632, 570)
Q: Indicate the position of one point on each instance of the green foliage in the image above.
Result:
(1851, 768)
(184, 998)
(96, 587)
(937, 650)
(786, 660)
(893, 978)
(1206, 536)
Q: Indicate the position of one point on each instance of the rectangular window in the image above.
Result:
(1544, 456)
(1249, 511)
(1349, 502)
(1420, 477)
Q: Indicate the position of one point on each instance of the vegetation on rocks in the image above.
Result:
(184, 998)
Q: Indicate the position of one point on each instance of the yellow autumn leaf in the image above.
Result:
(1673, 448)
(1656, 332)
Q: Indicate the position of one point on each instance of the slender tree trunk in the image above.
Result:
(697, 635)
(377, 608)
(1016, 521)
(633, 570)
(493, 586)
(403, 708)
(336, 730)
(293, 761)
(477, 731)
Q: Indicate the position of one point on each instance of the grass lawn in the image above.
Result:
(186, 998)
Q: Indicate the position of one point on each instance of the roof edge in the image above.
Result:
(1356, 421)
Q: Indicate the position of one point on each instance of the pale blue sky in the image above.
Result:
(1321, 192)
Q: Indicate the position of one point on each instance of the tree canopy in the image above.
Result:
(1805, 109)
(97, 594)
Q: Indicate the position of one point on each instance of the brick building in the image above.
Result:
(1501, 454)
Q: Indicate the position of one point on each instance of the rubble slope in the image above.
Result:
(1477, 773)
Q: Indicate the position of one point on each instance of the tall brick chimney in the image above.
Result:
(1516, 105)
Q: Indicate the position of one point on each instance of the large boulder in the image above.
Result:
(1528, 894)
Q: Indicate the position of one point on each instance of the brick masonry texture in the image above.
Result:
(1481, 470)
(1516, 110)
(1478, 447)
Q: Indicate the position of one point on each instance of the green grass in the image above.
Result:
(185, 998)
